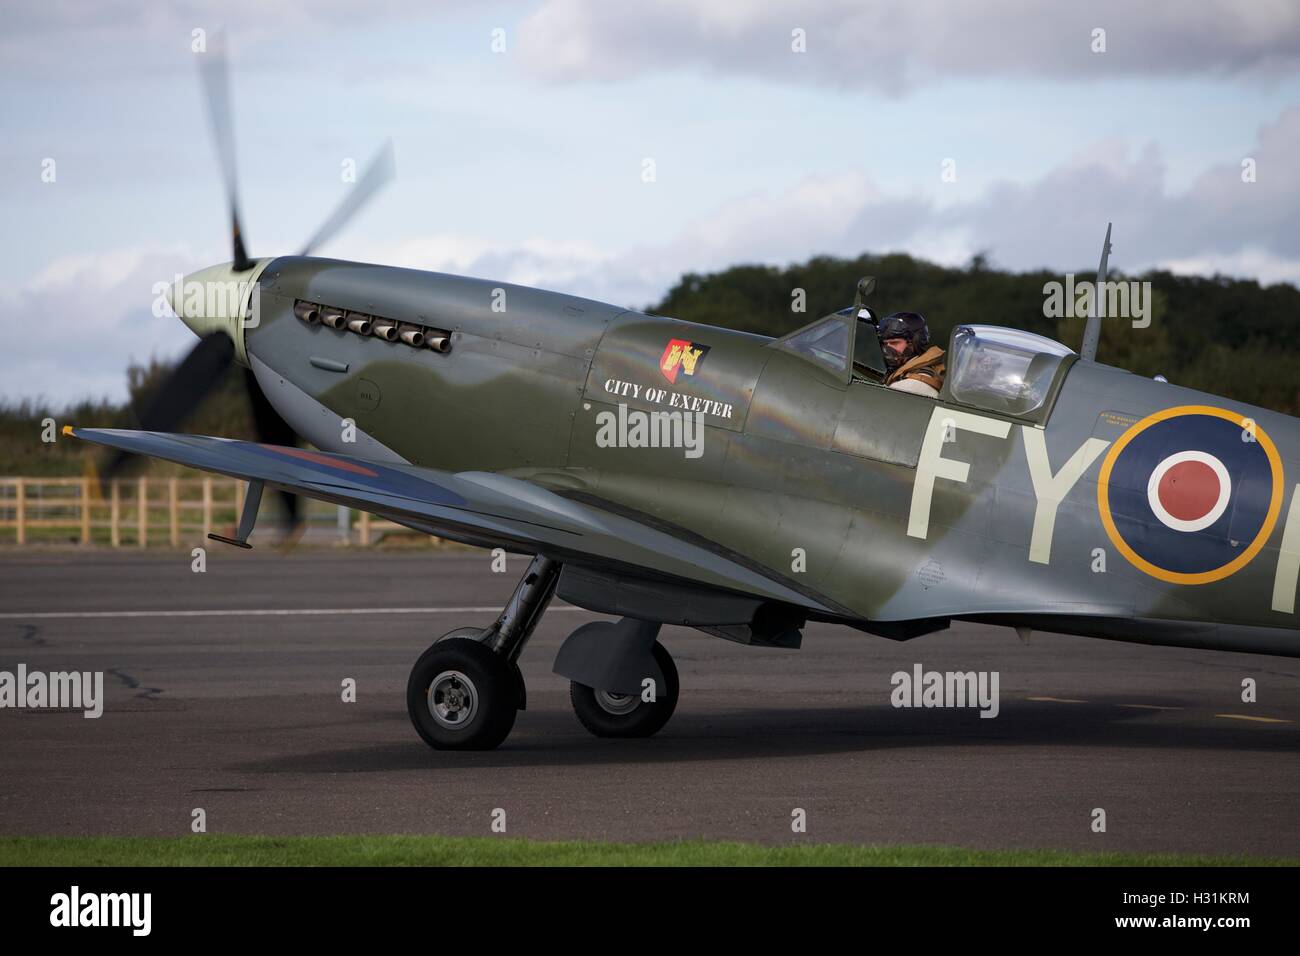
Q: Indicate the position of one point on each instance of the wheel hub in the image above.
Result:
(618, 704)
(453, 699)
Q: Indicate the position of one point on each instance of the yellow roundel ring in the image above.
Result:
(1237, 563)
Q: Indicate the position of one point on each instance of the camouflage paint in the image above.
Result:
(802, 460)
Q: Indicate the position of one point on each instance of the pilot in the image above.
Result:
(914, 365)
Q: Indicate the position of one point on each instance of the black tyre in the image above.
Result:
(617, 715)
(462, 696)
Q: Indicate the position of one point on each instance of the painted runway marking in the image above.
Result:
(262, 612)
(1149, 707)
(1260, 720)
(1058, 700)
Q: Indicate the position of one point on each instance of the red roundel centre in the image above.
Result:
(1188, 490)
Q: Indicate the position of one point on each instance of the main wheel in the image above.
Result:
(462, 696)
(606, 714)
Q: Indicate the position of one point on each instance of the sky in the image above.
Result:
(525, 133)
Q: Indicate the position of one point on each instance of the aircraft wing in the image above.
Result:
(479, 508)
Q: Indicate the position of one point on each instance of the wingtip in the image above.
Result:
(68, 430)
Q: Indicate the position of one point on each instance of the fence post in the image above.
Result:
(207, 506)
(173, 507)
(115, 515)
(142, 512)
(365, 528)
(20, 510)
(85, 511)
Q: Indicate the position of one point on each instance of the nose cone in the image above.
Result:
(210, 300)
(219, 299)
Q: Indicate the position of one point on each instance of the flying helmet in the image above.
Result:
(904, 325)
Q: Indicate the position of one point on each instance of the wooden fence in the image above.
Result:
(140, 512)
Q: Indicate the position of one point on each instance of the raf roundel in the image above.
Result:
(1191, 494)
(1189, 490)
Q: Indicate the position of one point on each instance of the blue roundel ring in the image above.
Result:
(1190, 494)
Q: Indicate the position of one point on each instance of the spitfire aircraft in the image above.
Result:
(1040, 490)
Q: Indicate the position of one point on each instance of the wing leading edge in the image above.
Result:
(478, 507)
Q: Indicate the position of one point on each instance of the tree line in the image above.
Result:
(1232, 337)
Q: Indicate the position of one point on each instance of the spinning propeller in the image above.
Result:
(206, 365)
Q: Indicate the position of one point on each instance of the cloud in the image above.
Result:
(1220, 223)
(72, 329)
(531, 262)
(107, 39)
(73, 326)
(893, 46)
(1219, 218)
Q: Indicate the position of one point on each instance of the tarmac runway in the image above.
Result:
(241, 714)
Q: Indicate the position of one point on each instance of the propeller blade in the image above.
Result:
(176, 399)
(216, 88)
(376, 176)
(273, 430)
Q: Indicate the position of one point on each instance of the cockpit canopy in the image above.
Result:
(1003, 370)
(995, 369)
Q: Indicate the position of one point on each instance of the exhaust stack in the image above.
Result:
(333, 318)
(412, 335)
(416, 335)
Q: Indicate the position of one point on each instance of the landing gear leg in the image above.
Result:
(464, 691)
